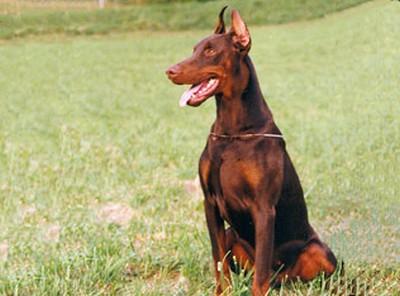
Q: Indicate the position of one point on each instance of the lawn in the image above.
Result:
(82, 17)
(97, 161)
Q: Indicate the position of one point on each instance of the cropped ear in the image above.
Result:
(240, 34)
(220, 28)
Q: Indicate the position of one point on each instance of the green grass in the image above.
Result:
(23, 19)
(86, 122)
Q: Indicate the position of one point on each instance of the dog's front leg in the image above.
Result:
(216, 231)
(264, 220)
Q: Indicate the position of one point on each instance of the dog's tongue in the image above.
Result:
(188, 94)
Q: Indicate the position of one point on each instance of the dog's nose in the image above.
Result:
(172, 71)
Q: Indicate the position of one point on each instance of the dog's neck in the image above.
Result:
(245, 110)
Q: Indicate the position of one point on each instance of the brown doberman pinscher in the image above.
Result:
(246, 174)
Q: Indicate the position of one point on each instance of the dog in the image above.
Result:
(246, 174)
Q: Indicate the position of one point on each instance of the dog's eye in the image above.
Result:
(210, 51)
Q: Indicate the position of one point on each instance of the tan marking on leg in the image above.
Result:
(244, 260)
(309, 265)
(205, 166)
(260, 290)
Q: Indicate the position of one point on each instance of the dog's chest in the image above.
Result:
(232, 173)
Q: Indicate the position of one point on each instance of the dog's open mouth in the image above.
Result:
(198, 93)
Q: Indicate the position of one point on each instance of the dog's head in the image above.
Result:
(214, 61)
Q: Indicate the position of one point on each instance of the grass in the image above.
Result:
(91, 137)
(23, 18)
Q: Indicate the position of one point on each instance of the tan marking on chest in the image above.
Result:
(251, 172)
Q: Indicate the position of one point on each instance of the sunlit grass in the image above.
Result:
(82, 17)
(89, 123)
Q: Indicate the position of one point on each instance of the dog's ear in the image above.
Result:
(220, 28)
(240, 34)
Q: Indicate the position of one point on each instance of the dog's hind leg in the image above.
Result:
(311, 259)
